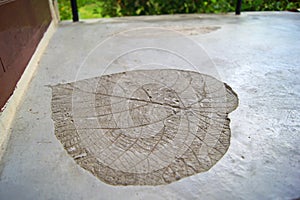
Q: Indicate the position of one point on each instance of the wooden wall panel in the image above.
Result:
(22, 25)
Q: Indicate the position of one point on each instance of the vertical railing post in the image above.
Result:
(238, 7)
(74, 10)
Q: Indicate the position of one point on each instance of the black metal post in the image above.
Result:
(74, 10)
(238, 7)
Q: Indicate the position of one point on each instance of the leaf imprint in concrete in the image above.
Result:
(144, 127)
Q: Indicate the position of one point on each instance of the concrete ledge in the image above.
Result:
(10, 108)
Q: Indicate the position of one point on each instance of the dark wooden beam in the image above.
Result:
(74, 10)
(238, 7)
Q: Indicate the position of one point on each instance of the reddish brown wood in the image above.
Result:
(22, 25)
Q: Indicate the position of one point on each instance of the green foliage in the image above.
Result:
(64, 9)
(156, 7)
(114, 8)
(270, 5)
(91, 10)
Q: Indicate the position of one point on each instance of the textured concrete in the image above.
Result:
(257, 54)
(144, 127)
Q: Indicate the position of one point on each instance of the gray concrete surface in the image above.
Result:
(257, 54)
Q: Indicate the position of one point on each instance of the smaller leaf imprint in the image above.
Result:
(144, 127)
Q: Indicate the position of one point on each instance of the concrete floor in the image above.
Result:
(257, 54)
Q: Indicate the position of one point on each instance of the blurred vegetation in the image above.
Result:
(117, 8)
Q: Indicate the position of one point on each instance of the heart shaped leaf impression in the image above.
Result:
(144, 127)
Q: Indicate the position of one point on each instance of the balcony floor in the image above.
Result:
(257, 54)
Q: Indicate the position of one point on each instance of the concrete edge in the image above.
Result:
(144, 18)
(151, 18)
(8, 114)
